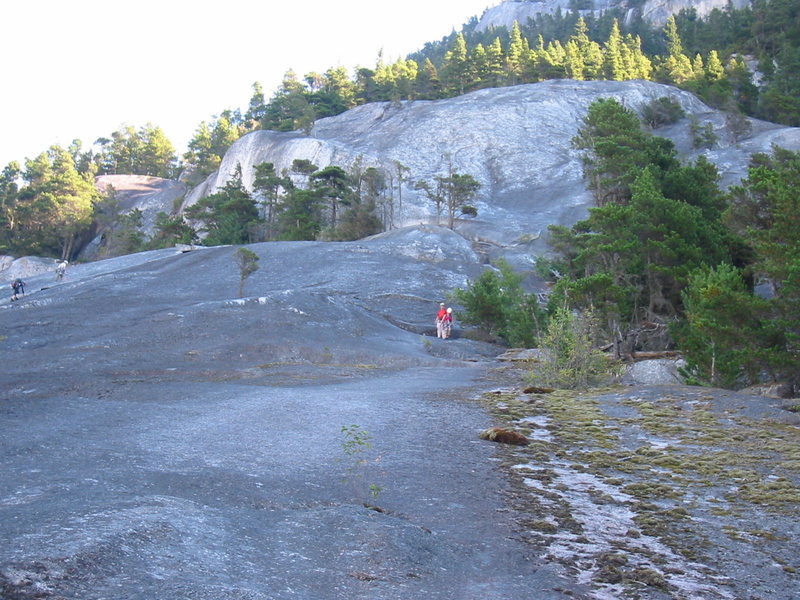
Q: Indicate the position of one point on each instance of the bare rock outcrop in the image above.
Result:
(516, 141)
(150, 195)
(655, 12)
(24, 267)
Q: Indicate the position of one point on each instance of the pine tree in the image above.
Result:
(714, 69)
(269, 186)
(573, 61)
(495, 63)
(256, 107)
(517, 48)
(591, 55)
(481, 74)
(641, 66)
(615, 67)
(428, 86)
(674, 44)
(456, 67)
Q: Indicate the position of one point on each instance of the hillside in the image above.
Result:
(163, 439)
(515, 141)
(654, 12)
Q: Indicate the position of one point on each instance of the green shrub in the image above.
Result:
(569, 358)
(724, 339)
(662, 111)
(496, 303)
(703, 136)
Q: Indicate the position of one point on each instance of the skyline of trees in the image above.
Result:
(578, 47)
(701, 55)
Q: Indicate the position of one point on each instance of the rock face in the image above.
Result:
(23, 268)
(163, 439)
(150, 195)
(516, 141)
(508, 12)
(654, 12)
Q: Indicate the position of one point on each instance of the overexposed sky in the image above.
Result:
(84, 68)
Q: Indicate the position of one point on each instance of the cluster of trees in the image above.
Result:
(703, 56)
(309, 203)
(666, 259)
(51, 206)
(51, 213)
(128, 151)
(57, 208)
(146, 151)
(303, 203)
(767, 30)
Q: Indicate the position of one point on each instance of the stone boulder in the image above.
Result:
(24, 268)
(653, 372)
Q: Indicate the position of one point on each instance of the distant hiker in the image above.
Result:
(440, 320)
(18, 288)
(447, 324)
(61, 269)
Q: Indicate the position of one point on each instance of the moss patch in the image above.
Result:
(677, 463)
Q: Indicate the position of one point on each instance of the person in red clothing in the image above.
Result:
(440, 320)
(447, 326)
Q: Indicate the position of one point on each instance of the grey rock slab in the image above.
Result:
(161, 438)
(515, 141)
(195, 490)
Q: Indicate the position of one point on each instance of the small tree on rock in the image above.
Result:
(248, 264)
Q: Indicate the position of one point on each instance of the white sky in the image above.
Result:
(84, 68)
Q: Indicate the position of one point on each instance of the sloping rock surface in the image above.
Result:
(164, 439)
(515, 141)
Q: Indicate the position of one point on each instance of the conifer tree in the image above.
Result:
(480, 68)
(714, 69)
(428, 86)
(332, 185)
(641, 66)
(674, 44)
(256, 107)
(456, 67)
(573, 61)
(676, 67)
(615, 67)
(591, 55)
(515, 56)
(495, 63)
(269, 186)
